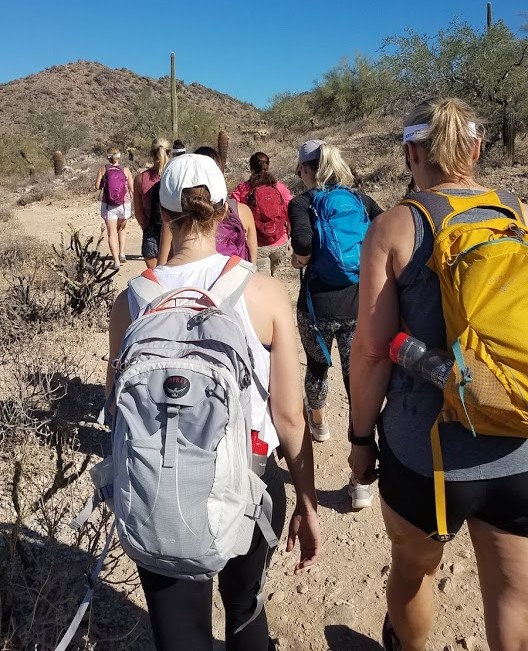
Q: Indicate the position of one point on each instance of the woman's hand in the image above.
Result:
(304, 525)
(362, 462)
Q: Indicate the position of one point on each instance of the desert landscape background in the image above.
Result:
(56, 288)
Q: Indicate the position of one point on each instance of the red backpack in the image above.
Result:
(114, 185)
(270, 214)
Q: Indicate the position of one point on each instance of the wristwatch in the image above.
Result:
(362, 440)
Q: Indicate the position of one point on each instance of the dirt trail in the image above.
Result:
(340, 603)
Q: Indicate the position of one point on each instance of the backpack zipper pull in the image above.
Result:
(517, 232)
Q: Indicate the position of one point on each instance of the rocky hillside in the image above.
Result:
(95, 95)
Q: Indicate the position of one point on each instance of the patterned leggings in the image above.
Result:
(316, 380)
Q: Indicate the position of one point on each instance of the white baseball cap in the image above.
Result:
(190, 171)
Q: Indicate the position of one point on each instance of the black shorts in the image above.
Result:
(501, 502)
(151, 241)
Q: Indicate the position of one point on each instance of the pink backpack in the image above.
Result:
(114, 185)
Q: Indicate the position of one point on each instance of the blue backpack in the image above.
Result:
(340, 225)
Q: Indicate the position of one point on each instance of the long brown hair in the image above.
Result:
(199, 214)
(259, 166)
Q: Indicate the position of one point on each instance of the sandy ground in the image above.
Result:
(340, 603)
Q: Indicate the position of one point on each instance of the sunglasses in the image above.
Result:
(298, 171)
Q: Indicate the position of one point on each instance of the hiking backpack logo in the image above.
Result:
(482, 267)
(340, 223)
(270, 214)
(115, 186)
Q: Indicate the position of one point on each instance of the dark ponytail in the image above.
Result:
(259, 166)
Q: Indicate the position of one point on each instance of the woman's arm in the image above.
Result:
(139, 211)
(130, 182)
(285, 192)
(373, 209)
(240, 193)
(301, 230)
(246, 217)
(119, 322)
(98, 181)
(287, 413)
(388, 244)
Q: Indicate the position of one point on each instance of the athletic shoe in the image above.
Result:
(320, 431)
(360, 494)
(122, 258)
(389, 638)
(115, 266)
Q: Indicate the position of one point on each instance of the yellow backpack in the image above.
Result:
(483, 271)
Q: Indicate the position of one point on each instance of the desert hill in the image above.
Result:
(92, 94)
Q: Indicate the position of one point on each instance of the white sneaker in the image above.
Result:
(360, 494)
(320, 431)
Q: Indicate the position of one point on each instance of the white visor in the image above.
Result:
(415, 132)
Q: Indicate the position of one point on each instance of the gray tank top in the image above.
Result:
(413, 404)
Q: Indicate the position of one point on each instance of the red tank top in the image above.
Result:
(149, 178)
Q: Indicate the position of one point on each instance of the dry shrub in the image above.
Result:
(43, 462)
(6, 214)
(31, 197)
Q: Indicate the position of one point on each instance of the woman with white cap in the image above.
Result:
(117, 188)
(193, 196)
(334, 313)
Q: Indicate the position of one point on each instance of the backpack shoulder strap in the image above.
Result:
(233, 207)
(145, 288)
(230, 285)
(436, 207)
(512, 201)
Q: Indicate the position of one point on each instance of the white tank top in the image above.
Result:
(203, 273)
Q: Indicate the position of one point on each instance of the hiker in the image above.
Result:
(178, 148)
(486, 477)
(116, 186)
(193, 194)
(146, 201)
(268, 200)
(235, 235)
(327, 305)
(228, 240)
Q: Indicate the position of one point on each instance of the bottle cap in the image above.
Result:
(258, 446)
(395, 344)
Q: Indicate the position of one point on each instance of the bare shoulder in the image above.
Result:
(245, 214)
(267, 292)
(393, 223)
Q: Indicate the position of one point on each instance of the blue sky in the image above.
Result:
(250, 50)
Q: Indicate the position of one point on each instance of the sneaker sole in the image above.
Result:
(320, 438)
(359, 504)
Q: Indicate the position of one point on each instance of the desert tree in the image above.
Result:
(489, 69)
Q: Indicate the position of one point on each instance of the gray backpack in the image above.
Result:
(179, 479)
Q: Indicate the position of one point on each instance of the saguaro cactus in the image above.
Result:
(58, 163)
(223, 143)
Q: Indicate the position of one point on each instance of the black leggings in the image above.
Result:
(181, 611)
(316, 378)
